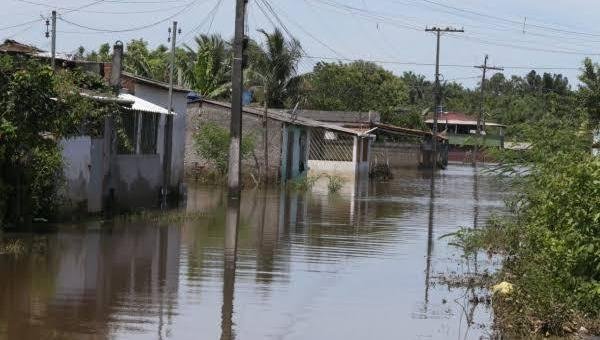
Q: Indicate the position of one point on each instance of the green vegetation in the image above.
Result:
(357, 86)
(303, 183)
(212, 144)
(38, 107)
(335, 184)
(551, 241)
(272, 69)
(207, 69)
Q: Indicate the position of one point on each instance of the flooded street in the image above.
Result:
(364, 264)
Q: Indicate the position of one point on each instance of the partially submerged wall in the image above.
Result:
(252, 127)
(138, 181)
(396, 155)
(160, 96)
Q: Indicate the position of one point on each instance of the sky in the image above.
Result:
(519, 35)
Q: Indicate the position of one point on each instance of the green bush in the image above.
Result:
(551, 243)
(212, 144)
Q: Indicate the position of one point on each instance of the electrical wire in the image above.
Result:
(131, 29)
(69, 10)
(19, 25)
(394, 62)
(203, 22)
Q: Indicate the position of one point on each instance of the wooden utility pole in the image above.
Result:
(234, 175)
(53, 48)
(438, 90)
(480, 126)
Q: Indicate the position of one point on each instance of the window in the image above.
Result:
(139, 132)
(149, 133)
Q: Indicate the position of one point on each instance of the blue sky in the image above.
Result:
(555, 33)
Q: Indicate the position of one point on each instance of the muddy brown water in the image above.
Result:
(363, 264)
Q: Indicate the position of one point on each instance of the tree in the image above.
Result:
(138, 59)
(38, 107)
(589, 90)
(207, 69)
(273, 66)
(103, 54)
(357, 86)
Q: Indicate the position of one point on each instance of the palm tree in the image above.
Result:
(274, 66)
(207, 68)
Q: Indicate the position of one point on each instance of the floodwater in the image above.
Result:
(363, 264)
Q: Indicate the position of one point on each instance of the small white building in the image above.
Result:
(125, 172)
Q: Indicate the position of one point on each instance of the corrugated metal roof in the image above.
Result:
(152, 82)
(341, 116)
(140, 104)
(458, 118)
(282, 116)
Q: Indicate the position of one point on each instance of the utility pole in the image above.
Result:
(173, 39)
(54, 40)
(484, 69)
(168, 143)
(234, 175)
(438, 90)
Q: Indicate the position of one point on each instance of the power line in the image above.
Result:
(210, 14)
(293, 22)
(511, 21)
(19, 25)
(395, 62)
(132, 29)
(61, 8)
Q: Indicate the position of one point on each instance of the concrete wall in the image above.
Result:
(396, 155)
(346, 170)
(160, 97)
(76, 154)
(199, 113)
(139, 179)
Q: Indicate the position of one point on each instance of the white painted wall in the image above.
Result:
(160, 97)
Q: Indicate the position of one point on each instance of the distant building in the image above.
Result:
(394, 146)
(461, 131)
(297, 146)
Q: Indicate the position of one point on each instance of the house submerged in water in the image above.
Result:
(297, 146)
(310, 143)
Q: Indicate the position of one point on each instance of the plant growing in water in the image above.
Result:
(303, 183)
(335, 184)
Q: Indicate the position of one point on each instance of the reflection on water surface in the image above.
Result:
(275, 265)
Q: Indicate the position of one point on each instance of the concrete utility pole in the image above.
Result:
(484, 69)
(173, 38)
(169, 118)
(438, 90)
(53, 40)
(234, 175)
